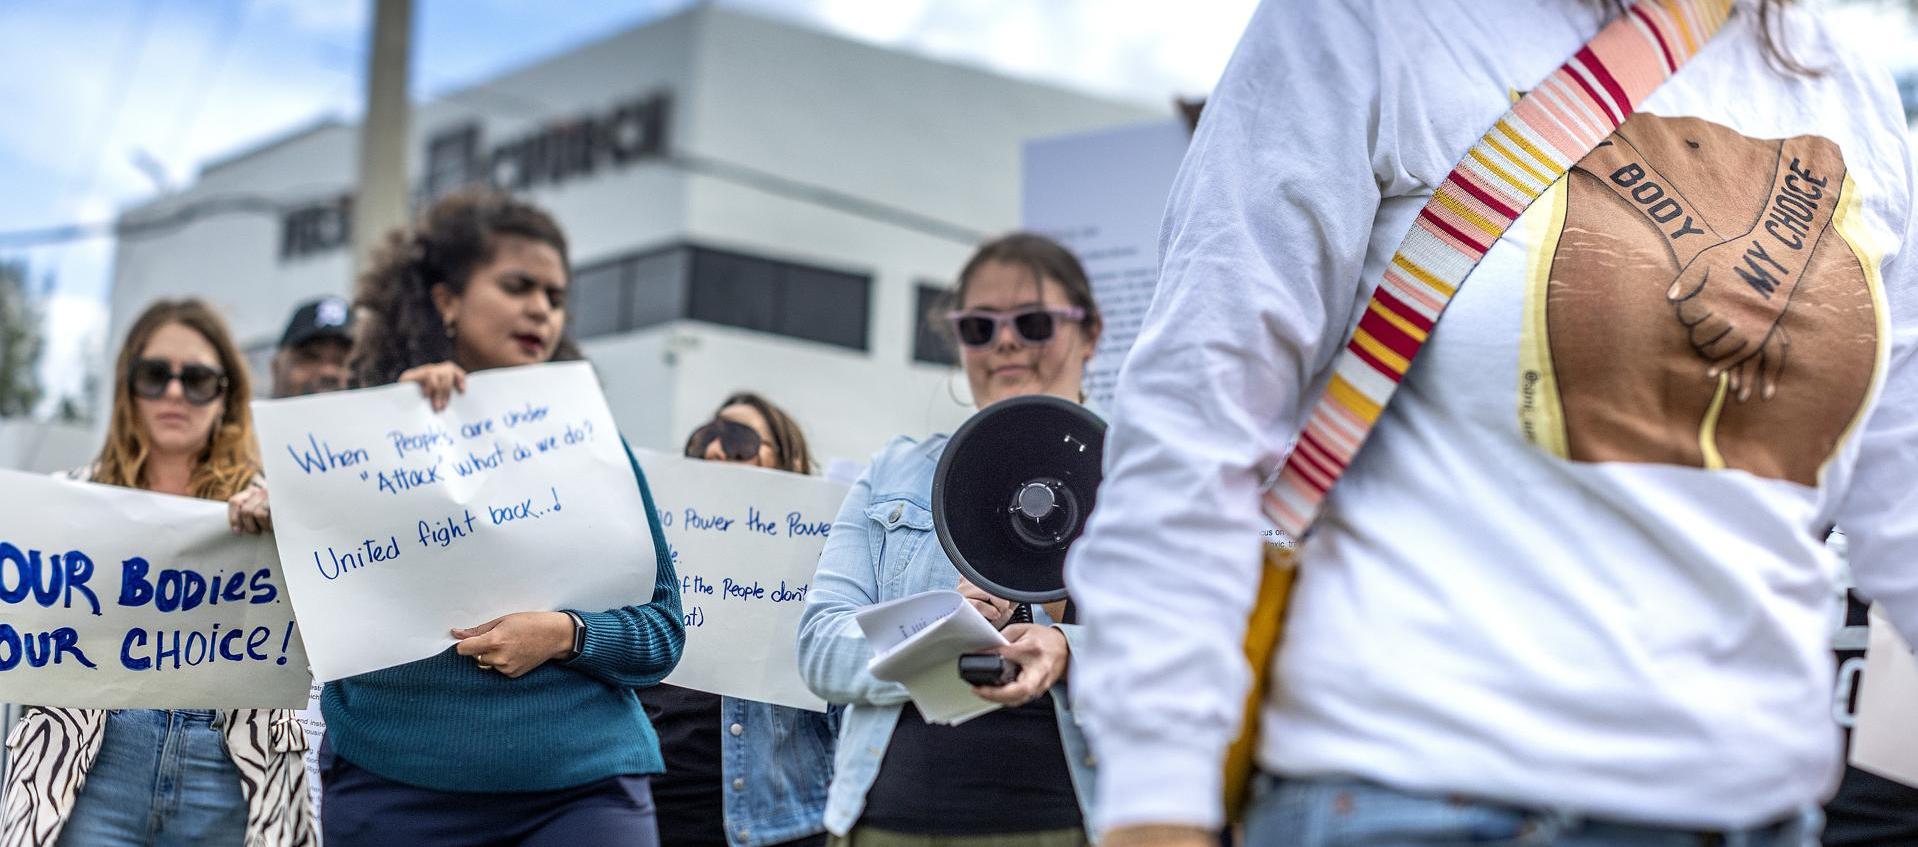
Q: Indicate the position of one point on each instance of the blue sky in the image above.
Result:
(107, 99)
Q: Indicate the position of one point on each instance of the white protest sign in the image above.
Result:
(116, 598)
(745, 542)
(1102, 195)
(1885, 738)
(398, 524)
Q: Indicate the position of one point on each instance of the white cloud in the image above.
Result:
(1141, 50)
(322, 17)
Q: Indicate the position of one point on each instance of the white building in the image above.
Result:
(750, 205)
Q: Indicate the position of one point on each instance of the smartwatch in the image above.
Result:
(579, 638)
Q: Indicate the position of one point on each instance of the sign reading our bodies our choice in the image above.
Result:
(117, 598)
(745, 542)
(398, 524)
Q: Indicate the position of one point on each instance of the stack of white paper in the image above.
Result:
(917, 641)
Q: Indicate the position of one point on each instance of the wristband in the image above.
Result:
(579, 638)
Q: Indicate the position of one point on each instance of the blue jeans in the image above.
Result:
(162, 779)
(1350, 813)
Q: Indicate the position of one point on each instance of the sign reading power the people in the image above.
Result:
(117, 598)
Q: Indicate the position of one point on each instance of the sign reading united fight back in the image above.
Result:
(116, 598)
(399, 524)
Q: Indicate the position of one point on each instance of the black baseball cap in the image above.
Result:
(327, 317)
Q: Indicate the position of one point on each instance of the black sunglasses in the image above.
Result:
(200, 384)
(739, 442)
(1034, 325)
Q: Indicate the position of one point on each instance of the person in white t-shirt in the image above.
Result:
(1572, 590)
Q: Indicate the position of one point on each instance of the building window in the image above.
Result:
(598, 298)
(824, 305)
(316, 227)
(722, 287)
(658, 287)
(932, 342)
(452, 160)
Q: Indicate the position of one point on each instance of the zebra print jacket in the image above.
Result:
(49, 752)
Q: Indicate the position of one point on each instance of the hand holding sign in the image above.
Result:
(516, 643)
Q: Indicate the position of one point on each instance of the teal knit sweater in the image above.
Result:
(445, 724)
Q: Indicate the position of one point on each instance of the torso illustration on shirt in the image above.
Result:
(1695, 299)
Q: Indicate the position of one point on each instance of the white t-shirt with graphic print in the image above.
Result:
(1576, 566)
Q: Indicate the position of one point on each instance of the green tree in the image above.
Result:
(20, 343)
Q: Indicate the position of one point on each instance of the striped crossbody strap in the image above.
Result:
(1531, 147)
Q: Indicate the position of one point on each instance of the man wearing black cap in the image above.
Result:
(312, 354)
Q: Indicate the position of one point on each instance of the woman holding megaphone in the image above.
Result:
(1027, 324)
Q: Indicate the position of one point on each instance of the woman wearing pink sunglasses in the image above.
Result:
(1027, 324)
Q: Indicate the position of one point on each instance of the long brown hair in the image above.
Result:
(400, 328)
(229, 462)
(1770, 33)
(789, 443)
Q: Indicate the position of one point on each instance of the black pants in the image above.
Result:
(360, 808)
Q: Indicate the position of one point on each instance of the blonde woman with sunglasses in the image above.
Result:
(126, 777)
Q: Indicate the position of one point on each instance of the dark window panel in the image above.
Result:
(735, 290)
(597, 298)
(932, 342)
(822, 305)
(722, 287)
(452, 160)
(658, 287)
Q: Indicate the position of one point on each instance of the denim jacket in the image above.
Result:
(776, 763)
(881, 548)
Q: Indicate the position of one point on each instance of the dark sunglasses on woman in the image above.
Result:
(739, 442)
(200, 384)
(1034, 325)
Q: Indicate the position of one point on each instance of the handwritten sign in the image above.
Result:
(117, 598)
(745, 542)
(398, 524)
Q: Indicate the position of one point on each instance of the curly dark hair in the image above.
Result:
(399, 326)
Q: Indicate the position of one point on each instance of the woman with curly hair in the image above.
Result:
(528, 731)
(180, 425)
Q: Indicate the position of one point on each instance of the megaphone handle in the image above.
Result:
(1021, 613)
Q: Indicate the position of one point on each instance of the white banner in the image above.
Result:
(745, 542)
(398, 524)
(116, 598)
(1102, 194)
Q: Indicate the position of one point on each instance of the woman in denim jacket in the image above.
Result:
(741, 773)
(1027, 323)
